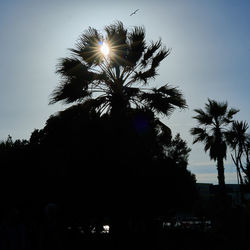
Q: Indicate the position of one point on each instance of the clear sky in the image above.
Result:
(210, 42)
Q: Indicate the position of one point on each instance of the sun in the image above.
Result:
(104, 49)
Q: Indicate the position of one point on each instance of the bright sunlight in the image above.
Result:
(105, 49)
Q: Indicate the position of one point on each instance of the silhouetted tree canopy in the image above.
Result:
(239, 141)
(109, 151)
(115, 82)
(178, 151)
(114, 86)
(213, 121)
(81, 148)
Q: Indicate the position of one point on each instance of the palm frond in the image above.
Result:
(130, 92)
(213, 152)
(136, 45)
(116, 33)
(209, 141)
(156, 103)
(76, 79)
(87, 47)
(231, 138)
(215, 108)
(203, 118)
(70, 91)
(164, 100)
(237, 135)
(95, 104)
(144, 76)
(199, 133)
(173, 95)
(150, 51)
(159, 57)
(72, 67)
(117, 37)
(231, 113)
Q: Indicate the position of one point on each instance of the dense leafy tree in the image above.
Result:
(213, 122)
(9, 143)
(14, 169)
(77, 147)
(178, 151)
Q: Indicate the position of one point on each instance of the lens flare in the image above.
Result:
(104, 49)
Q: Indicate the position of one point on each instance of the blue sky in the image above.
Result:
(210, 42)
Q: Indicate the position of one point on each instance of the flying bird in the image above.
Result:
(133, 13)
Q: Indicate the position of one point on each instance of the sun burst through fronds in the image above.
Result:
(104, 48)
(109, 73)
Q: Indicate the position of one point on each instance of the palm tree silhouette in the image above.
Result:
(213, 122)
(239, 140)
(110, 74)
(116, 80)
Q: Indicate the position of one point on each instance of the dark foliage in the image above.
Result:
(92, 169)
(239, 141)
(212, 124)
(111, 84)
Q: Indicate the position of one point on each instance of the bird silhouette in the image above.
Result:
(133, 13)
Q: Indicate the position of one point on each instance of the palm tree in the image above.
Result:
(213, 122)
(239, 140)
(110, 73)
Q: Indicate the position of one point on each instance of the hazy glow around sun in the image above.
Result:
(105, 49)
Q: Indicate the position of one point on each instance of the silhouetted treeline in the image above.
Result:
(109, 159)
(90, 160)
(92, 167)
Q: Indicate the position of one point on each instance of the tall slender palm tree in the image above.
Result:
(110, 73)
(239, 140)
(213, 122)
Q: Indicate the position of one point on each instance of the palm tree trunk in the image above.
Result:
(236, 163)
(221, 175)
(246, 150)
